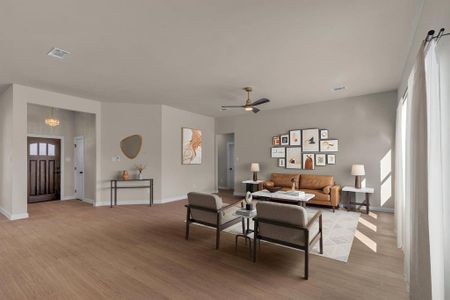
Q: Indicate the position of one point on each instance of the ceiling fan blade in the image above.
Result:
(255, 110)
(232, 106)
(260, 101)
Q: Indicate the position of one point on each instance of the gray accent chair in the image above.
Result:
(287, 225)
(209, 210)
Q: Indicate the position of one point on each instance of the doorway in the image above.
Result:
(78, 163)
(44, 169)
(225, 161)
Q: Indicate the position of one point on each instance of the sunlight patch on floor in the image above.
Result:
(368, 224)
(366, 240)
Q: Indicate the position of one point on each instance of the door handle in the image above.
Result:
(81, 172)
(231, 169)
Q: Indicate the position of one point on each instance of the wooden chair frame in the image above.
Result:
(318, 237)
(219, 227)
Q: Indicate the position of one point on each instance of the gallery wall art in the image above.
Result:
(191, 146)
(304, 149)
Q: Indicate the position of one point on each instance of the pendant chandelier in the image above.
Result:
(51, 120)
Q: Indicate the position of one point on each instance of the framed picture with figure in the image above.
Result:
(295, 137)
(310, 140)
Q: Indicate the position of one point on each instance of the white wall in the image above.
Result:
(119, 121)
(364, 126)
(6, 162)
(179, 179)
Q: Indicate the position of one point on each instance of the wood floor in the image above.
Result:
(70, 250)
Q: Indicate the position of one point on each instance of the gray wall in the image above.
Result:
(365, 127)
(179, 179)
(222, 141)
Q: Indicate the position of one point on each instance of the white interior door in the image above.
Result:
(230, 165)
(79, 167)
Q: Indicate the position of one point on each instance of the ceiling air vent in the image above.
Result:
(58, 53)
(339, 88)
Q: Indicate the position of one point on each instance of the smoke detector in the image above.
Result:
(58, 53)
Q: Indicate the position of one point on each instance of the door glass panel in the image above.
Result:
(42, 148)
(51, 150)
(33, 149)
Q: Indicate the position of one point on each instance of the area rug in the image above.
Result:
(338, 232)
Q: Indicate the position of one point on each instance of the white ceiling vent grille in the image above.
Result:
(58, 53)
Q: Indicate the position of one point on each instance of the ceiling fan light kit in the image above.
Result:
(248, 106)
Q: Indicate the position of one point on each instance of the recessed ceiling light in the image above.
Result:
(58, 53)
(339, 88)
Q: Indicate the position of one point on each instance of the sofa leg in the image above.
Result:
(334, 209)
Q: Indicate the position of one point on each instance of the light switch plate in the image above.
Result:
(116, 158)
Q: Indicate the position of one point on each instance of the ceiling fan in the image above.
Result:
(248, 106)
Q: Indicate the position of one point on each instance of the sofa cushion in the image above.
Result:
(315, 182)
(284, 179)
(319, 195)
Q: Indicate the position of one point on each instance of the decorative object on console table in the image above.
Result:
(352, 204)
(308, 161)
(331, 145)
(358, 171)
(125, 175)
(295, 137)
(294, 158)
(140, 168)
(284, 139)
(191, 146)
(310, 140)
(255, 169)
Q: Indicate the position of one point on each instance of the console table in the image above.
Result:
(365, 190)
(115, 187)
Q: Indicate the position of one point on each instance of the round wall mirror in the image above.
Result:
(131, 146)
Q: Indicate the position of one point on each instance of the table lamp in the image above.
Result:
(358, 171)
(255, 169)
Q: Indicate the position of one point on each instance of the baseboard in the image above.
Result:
(71, 197)
(122, 202)
(225, 188)
(383, 209)
(172, 199)
(87, 200)
(239, 194)
(13, 217)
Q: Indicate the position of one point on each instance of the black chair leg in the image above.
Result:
(254, 248)
(306, 263)
(187, 229)
(217, 238)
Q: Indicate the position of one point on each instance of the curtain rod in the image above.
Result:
(431, 36)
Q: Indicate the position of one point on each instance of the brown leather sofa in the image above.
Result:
(326, 191)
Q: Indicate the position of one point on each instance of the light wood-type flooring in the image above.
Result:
(71, 250)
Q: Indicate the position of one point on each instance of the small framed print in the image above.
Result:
(282, 162)
(308, 161)
(278, 152)
(293, 158)
(310, 140)
(331, 159)
(329, 145)
(284, 139)
(321, 160)
(323, 134)
(295, 137)
(276, 141)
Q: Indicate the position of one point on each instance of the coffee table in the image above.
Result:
(284, 197)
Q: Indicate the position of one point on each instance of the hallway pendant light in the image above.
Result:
(51, 120)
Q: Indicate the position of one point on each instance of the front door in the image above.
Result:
(44, 177)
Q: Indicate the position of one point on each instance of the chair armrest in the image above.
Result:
(314, 219)
(230, 205)
(335, 195)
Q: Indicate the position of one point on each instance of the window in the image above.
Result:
(51, 150)
(42, 148)
(33, 149)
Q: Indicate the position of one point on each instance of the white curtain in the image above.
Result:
(438, 151)
(417, 250)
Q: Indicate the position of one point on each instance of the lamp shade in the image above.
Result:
(254, 167)
(358, 170)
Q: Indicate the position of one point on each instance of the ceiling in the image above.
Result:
(198, 54)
